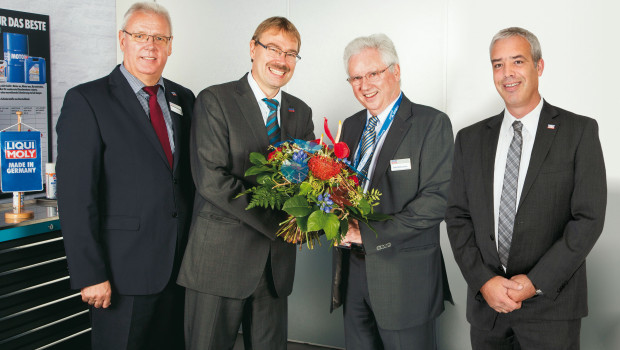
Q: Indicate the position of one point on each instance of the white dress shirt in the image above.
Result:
(506, 132)
(260, 95)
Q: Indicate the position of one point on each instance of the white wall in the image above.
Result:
(82, 43)
(443, 48)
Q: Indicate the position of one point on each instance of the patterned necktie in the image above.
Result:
(157, 120)
(273, 129)
(508, 201)
(368, 142)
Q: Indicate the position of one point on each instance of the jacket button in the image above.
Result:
(492, 236)
(174, 214)
(175, 181)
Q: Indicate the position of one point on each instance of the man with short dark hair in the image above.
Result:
(527, 203)
(125, 189)
(236, 270)
(393, 283)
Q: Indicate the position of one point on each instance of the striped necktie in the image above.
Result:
(368, 143)
(273, 129)
(508, 200)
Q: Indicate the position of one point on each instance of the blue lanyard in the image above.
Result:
(384, 127)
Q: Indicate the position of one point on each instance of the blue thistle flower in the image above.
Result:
(299, 157)
(325, 202)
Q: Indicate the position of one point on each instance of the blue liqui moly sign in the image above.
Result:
(21, 161)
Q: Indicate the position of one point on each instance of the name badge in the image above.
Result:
(176, 108)
(400, 164)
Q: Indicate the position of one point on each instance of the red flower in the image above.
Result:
(273, 154)
(341, 150)
(355, 179)
(324, 168)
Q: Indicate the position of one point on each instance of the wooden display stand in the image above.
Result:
(18, 214)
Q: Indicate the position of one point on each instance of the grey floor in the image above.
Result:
(291, 345)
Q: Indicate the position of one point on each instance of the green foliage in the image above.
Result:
(265, 179)
(257, 169)
(332, 226)
(258, 158)
(304, 188)
(364, 207)
(300, 200)
(317, 220)
(297, 206)
(265, 197)
(302, 223)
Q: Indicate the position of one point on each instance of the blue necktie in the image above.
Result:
(273, 129)
(368, 142)
(508, 200)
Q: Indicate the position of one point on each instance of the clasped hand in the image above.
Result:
(98, 295)
(505, 295)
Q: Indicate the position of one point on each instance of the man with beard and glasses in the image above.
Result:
(236, 271)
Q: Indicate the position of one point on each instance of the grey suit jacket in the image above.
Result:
(229, 246)
(559, 216)
(406, 274)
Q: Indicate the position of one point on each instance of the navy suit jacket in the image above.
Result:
(124, 213)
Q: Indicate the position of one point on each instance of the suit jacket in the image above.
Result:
(228, 245)
(124, 213)
(559, 216)
(406, 275)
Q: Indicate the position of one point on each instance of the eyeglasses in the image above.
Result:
(275, 52)
(372, 77)
(142, 38)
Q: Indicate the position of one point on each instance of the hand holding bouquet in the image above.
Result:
(315, 185)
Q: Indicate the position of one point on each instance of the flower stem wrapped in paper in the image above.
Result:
(315, 185)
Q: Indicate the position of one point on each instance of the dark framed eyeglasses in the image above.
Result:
(142, 38)
(275, 52)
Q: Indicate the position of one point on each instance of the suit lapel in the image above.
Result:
(398, 130)
(489, 149)
(489, 141)
(127, 98)
(352, 134)
(251, 112)
(542, 144)
(287, 121)
(172, 97)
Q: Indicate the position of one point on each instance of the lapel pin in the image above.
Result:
(551, 126)
(291, 110)
(173, 93)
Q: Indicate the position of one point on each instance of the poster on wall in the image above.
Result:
(25, 75)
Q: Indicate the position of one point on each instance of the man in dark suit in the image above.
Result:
(526, 205)
(235, 269)
(125, 190)
(393, 283)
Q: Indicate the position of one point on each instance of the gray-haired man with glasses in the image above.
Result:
(393, 283)
(125, 189)
(235, 269)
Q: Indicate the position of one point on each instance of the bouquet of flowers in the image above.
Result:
(315, 185)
